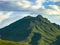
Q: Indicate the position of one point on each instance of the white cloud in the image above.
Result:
(27, 4)
(52, 12)
(24, 4)
(55, 10)
(38, 4)
(55, 0)
(9, 0)
(55, 7)
(4, 16)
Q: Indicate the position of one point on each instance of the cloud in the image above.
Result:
(51, 10)
(55, 0)
(9, 6)
(27, 4)
(4, 16)
(55, 7)
(38, 4)
(20, 5)
(24, 4)
(32, 8)
(56, 10)
(9, 0)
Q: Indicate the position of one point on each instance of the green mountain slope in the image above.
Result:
(32, 30)
(4, 42)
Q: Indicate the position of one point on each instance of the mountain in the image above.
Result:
(32, 30)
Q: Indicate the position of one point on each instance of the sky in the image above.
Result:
(13, 10)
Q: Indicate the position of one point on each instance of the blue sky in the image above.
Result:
(13, 10)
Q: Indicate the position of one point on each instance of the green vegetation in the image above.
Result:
(4, 42)
(31, 30)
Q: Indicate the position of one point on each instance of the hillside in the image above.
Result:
(32, 30)
(5, 42)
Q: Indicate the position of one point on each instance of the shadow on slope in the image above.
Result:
(17, 31)
(35, 39)
(57, 42)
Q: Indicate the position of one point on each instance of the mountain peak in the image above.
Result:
(31, 30)
(39, 16)
(28, 17)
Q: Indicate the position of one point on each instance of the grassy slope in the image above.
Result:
(4, 42)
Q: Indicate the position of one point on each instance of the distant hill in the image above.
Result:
(32, 30)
